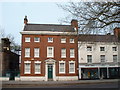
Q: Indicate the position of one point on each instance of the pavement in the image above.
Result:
(59, 82)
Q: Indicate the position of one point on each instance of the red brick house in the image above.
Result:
(49, 52)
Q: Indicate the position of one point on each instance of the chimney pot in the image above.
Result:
(117, 32)
(25, 20)
(74, 24)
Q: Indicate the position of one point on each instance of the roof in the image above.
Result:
(97, 38)
(48, 27)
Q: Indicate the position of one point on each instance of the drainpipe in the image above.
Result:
(107, 72)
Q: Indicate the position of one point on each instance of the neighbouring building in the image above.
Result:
(99, 56)
(9, 61)
(49, 52)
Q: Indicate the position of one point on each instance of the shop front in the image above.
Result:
(89, 73)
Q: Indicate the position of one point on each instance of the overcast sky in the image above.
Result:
(12, 15)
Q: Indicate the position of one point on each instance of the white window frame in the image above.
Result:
(101, 49)
(89, 48)
(63, 40)
(115, 60)
(62, 67)
(48, 52)
(89, 60)
(27, 39)
(37, 38)
(73, 62)
(114, 49)
(63, 53)
(101, 58)
(39, 69)
(72, 53)
(27, 72)
(36, 53)
(27, 52)
(50, 40)
(72, 40)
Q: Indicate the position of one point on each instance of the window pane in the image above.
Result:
(36, 52)
(36, 39)
(71, 67)
(27, 52)
(71, 40)
(37, 68)
(62, 68)
(89, 58)
(50, 52)
(72, 53)
(50, 39)
(102, 58)
(89, 48)
(114, 48)
(102, 48)
(63, 53)
(27, 39)
(63, 40)
(114, 58)
(27, 68)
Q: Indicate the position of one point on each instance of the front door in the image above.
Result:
(50, 71)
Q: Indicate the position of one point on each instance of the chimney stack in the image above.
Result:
(74, 24)
(117, 32)
(25, 20)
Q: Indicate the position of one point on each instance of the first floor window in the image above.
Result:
(63, 53)
(36, 52)
(37, 68)
(114, 58)
(89, 58)
(27, 52)
(61, 67)
(71, 67)
(72, 53)
(27, 68)
(50, 51)
(102, 57)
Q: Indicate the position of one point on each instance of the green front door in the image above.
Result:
(50, 71)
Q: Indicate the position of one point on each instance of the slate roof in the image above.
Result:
(97, 38)
(48, 27)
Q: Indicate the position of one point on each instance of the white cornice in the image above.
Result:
(48, 33)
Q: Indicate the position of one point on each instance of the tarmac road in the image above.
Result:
(113, 83)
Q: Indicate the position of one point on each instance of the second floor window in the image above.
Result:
(63, 40)
(71, 40)
(102, 48)
(72, 53)
(89, 58)
(36, 52)
(89, 48)
(102, 58)
(36, 39)
(114, 48)
(27, 52)
(27, 39)
(50, 51)
(50, 39)
(63, 53)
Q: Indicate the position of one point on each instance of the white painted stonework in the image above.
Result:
(66, 78)
(32, 78)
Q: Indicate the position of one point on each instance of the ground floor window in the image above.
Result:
(61, 66)
(114, 72)
(37, 68)
(71, 67)
(89, 73)
(27, 69)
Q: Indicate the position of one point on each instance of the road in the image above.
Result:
(78, 85)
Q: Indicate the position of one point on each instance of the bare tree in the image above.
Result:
(94, 17)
